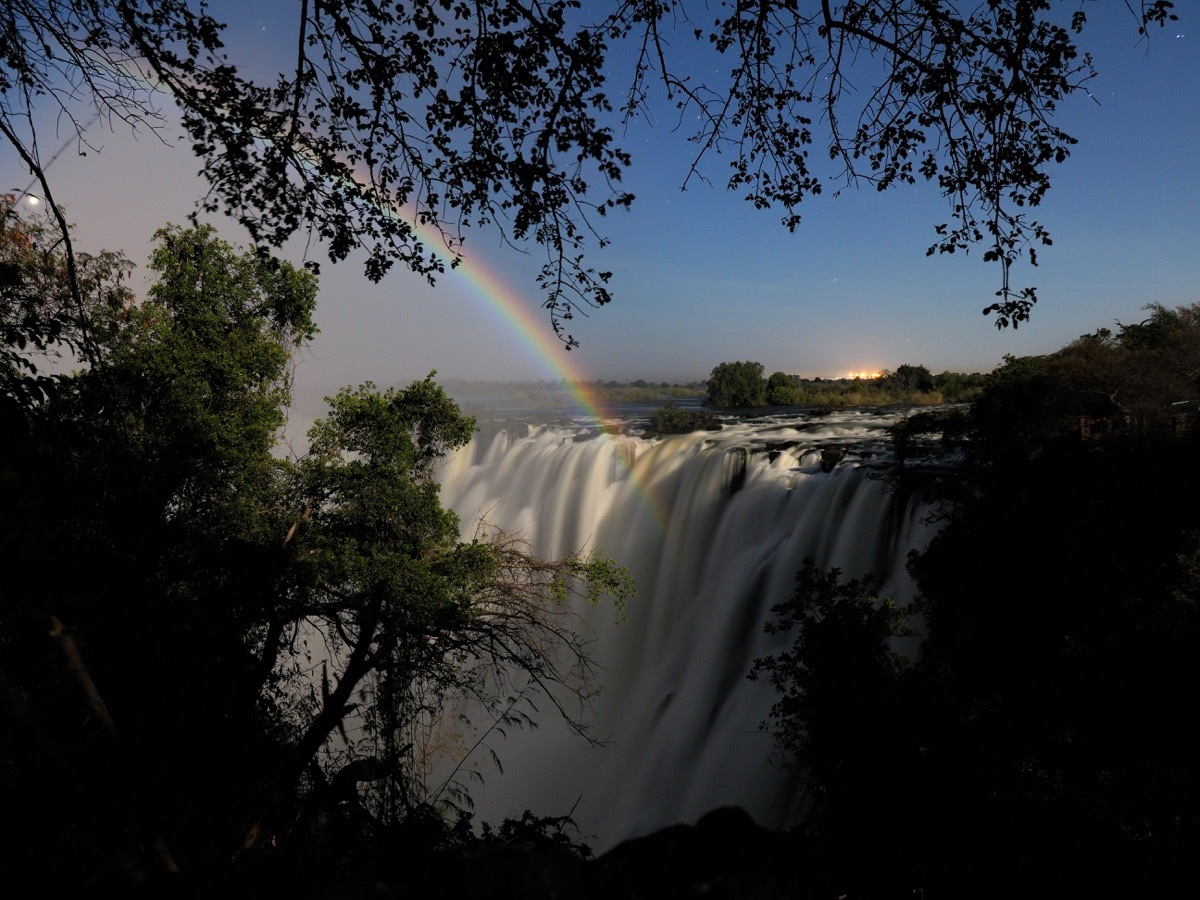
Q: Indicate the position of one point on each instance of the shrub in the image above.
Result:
(672, 419)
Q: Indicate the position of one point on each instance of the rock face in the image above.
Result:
(830, 457)
(724, 855)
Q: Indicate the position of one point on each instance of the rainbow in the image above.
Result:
(492, 291)
(533, 331)
(485, 284)
(530, 328)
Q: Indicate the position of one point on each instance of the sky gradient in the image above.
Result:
(701, 277)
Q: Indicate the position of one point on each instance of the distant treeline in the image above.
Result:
(641, 391)
(742, 384)
(563, 392)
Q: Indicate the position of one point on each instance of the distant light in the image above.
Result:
(864, 375)
(32, 200)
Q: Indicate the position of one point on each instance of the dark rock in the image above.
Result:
(725, 855)
(830, 457)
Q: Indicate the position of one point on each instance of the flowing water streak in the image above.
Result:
(743, 508)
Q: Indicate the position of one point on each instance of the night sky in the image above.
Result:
(701, 277)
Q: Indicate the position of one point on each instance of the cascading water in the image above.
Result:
(713, 526)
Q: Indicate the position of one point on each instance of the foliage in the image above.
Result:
(421, 107)
(501, 114)
(786, 389)
(902, 389)
(407, 608)
(941, 430)
(908, 378)
(610, 392)
(1130, 384)
(1059, 720)
(737, 384)
(551, 395)
(839, 686)
(141, 486)
(958, 387)
(210, 650)
(1035, 740)
(544, 830)
(783, 389)
(40, 319)
(909, 386)
(671, 419)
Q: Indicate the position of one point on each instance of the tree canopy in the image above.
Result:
(737, 384)
(783, 389)
(1127, 383)
(208, 647)
(909, 378)
(451, 115)
(1030, 741)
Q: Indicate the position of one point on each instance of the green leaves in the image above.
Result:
(737, 384)
(230, 598)
(841, 691)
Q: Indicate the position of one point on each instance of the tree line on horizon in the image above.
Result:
(745, 384)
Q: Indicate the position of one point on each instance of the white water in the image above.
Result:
(709, 562)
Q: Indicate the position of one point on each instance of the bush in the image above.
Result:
(737, 384)
(672, 419)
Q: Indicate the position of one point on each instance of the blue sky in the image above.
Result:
(700, 277)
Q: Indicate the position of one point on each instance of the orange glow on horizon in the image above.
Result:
(864, 375)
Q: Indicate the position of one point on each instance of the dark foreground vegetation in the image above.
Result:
(220, 668)
(1040, 743)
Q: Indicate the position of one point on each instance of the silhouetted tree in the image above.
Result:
(1034, 740)
(500, 113)
(908, 378)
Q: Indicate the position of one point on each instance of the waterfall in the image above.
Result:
(713, 526)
